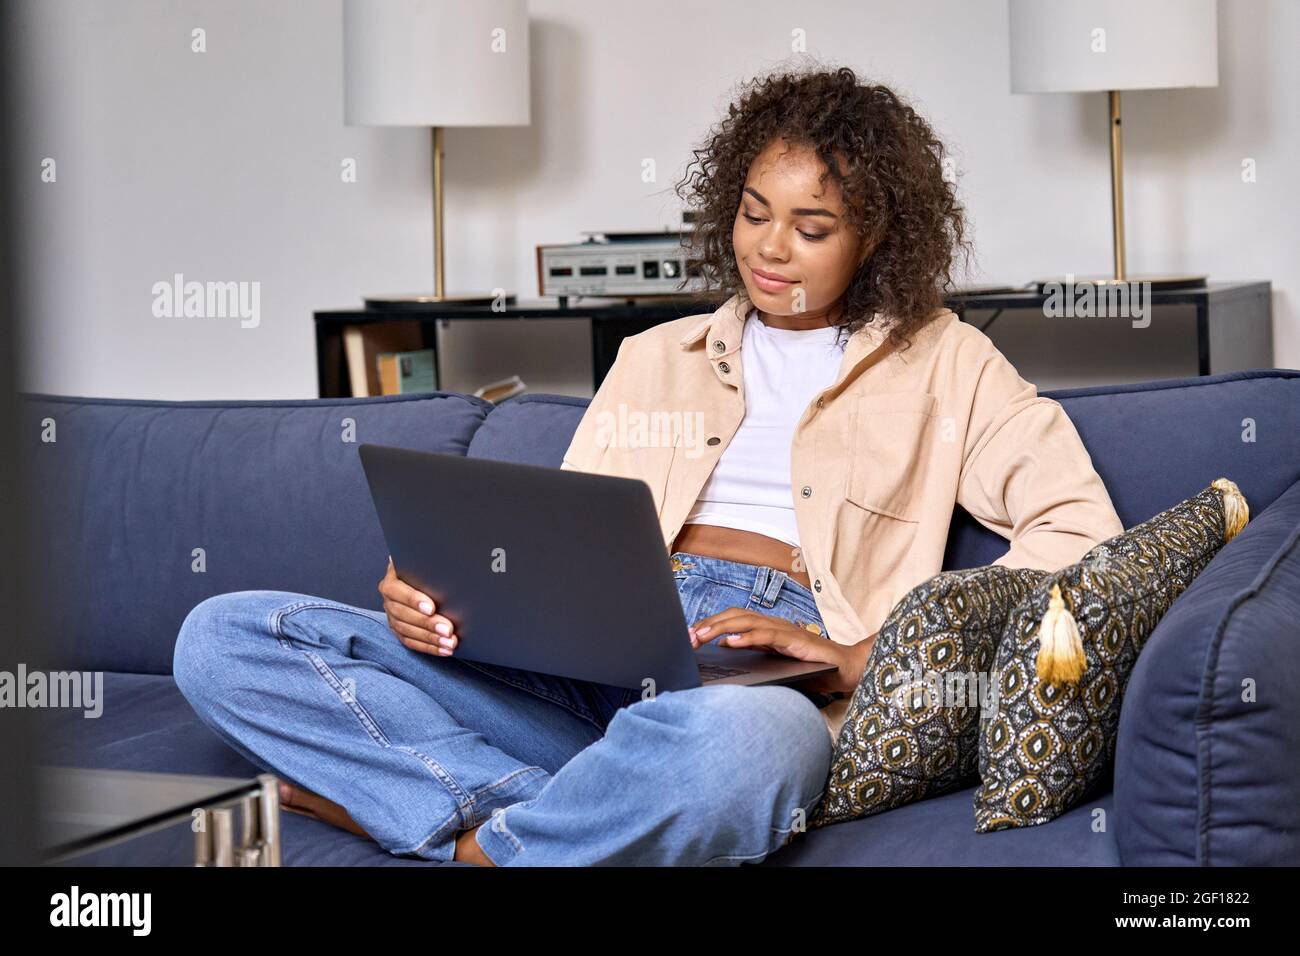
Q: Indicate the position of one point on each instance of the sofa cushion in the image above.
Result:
(144, 724)
(1065, 658)
(938, 832)
(1206, 768)
(271, 492)
(147, 725)
(531, 429)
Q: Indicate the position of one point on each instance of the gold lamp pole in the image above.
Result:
(1121, 275)
(439, 250)
(439, 263)
(1117, 183)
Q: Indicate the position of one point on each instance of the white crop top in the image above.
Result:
(782, 371)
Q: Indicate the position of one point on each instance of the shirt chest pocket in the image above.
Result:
(891, 442)
(649, 463)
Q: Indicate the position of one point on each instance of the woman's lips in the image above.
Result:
(768, 284)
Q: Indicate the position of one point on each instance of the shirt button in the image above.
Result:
(724, 366)
(817, 585)
(718, 345)
(806, 491)
(714, 440)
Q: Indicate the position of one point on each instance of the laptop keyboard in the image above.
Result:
(710, 672)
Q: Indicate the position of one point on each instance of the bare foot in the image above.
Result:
(300, 800)
(468, 850)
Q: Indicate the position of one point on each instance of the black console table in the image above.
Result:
(611, 323)
(1234, 320)
(1234, 324)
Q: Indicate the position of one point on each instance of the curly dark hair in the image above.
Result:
(895, 193)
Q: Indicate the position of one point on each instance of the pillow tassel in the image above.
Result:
(1060, 649)
(1235, 510)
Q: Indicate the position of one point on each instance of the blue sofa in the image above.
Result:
(1205, 773)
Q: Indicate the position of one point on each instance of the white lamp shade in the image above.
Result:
(435, 62)
(1057, 45)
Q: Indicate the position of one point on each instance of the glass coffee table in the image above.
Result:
(82, 811)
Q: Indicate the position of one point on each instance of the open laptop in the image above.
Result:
(550, 570)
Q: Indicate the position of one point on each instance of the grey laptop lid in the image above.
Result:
(554, 571)
(559, 572)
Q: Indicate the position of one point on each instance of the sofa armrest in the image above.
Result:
(1207, 763)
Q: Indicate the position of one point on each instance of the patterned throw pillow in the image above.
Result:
(1069, 649)
(911, 728)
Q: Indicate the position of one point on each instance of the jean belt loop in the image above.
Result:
(776, 581)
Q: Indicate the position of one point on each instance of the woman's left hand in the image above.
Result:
(737, 627)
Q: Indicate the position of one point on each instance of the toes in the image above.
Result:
(290, 796)
(299, 800)
(291, 799)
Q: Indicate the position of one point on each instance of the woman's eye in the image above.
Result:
(811, 238)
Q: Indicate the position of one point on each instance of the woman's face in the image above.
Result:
(788, 228)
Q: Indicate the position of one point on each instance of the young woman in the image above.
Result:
(830, 416)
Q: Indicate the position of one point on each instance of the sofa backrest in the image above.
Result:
(143, 509)
(274, 495)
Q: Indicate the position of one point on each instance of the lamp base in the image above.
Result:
(1158, 282)
(417, 300)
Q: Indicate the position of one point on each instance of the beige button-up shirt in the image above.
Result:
(878, 459)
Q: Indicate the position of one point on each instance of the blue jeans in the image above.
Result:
(419, 747)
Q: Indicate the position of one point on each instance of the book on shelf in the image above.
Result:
(363, 344)
(401, 373)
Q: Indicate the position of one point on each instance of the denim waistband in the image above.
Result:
(764, 583)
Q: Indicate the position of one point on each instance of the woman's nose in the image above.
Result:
(772, 246)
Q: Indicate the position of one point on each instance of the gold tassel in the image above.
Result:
(1235, 510)
(1060, 649)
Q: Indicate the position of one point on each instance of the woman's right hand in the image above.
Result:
(411, 617)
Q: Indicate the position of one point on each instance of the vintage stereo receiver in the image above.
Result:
(618, 264)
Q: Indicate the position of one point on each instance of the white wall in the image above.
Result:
(225, 166)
